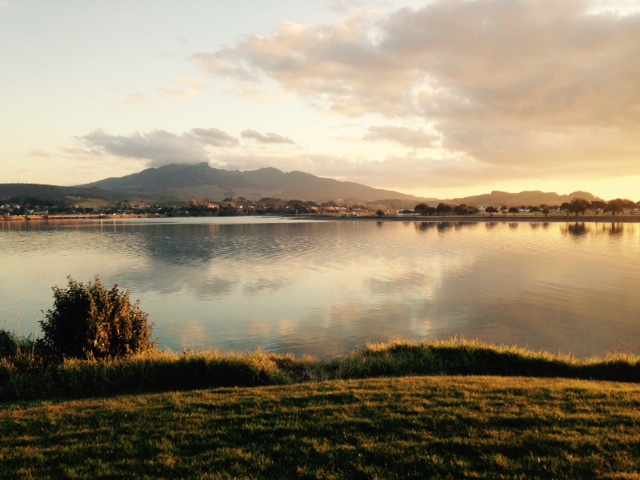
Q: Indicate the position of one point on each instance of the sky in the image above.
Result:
(439, 99)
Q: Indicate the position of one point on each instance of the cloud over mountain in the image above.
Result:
(513, 87)
(265, 138)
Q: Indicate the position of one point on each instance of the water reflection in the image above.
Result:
(617, 229)
(444, 226)
(580, 229)
(324, 288)
(576, 229)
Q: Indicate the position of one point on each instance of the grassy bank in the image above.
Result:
(409, 427)
(25, 376)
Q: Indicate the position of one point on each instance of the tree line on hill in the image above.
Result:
(576, 206)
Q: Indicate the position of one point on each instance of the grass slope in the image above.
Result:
(410, 427)
(25, 376)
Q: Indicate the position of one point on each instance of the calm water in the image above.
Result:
(325, 288)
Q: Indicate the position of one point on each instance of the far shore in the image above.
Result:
(531, 218)
(491, 218)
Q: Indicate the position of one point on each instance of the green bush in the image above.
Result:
(8, 344)
(90, 321)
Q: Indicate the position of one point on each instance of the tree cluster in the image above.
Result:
(616, 206)
(577, 206)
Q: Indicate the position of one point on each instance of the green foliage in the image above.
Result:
(8, 344)
(90, 321)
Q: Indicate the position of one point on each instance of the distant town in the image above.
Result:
(76, 207)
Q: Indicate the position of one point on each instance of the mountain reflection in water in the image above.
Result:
(325, 288)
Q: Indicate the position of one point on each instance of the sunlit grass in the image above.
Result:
(409, 427)
(26, 376)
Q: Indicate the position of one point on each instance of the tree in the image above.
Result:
(491, 210)
(578, 205)
(379, 213)
(443, 208)
(424, 209)
(513, 210)
(461, 209)
(598, 205)
(90, 321)
(614, 206)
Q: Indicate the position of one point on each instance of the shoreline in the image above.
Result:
(488, 218)
(625, 218)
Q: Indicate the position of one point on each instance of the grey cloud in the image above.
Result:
(266, 138)
(214, 137)
(159, 146)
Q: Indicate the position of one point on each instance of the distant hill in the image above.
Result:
(36, 193)
(21, 191)
(201, 180)
(535, 198)
(172, 183)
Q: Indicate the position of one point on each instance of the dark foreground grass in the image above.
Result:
(410, 427)
(27, 376)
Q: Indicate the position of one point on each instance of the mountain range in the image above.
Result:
(198, 181)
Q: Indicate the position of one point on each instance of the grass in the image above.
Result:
(409, 427)
(26, 376)
(451, 409)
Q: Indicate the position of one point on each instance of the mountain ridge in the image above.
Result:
(528, 197)
(202, 180)
(184, 182)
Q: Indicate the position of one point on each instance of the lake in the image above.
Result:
(325, 288)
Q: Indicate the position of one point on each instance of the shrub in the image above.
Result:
(90, 321)
(8, 344)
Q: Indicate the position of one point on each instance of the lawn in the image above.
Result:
(405, 427)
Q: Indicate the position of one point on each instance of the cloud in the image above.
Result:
(39, 153)
(267, 138)
(214, 137)
(403, 136)
(136, 99)
(510, 86)
(183, 87)
(158, 146)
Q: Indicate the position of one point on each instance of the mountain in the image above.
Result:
(201, 180)
(173, 183)
(535, 197)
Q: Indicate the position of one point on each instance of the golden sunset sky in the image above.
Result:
(434, 98)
